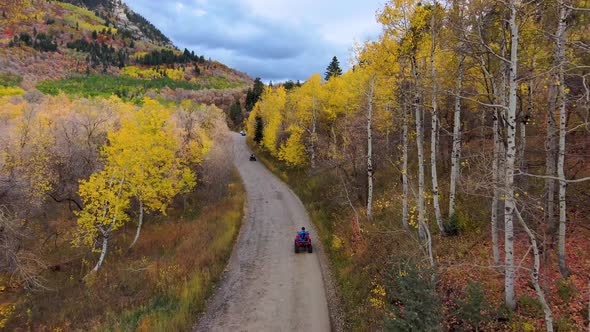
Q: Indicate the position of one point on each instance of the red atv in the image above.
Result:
(303, 241)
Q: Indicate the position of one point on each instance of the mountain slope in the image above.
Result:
(124, 17)
(48, 40)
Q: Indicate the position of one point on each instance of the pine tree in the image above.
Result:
(259, 133)
(254, 94)
(333, 69)
(235, 113)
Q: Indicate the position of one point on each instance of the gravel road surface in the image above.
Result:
(267, 287)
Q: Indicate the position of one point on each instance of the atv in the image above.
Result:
(303, 244)
(252, 157)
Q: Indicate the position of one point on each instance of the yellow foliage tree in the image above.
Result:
(175, 74)
(106, 198)
(142, 163)
(146, 150)
(272, 105)
(307, 107)
(292, 152)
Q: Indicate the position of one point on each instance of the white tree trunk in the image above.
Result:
(535, 273)
(370, 150)
(456, 152)
(139, 224)
(499, 97)
(496, 195)
(550, 161)
(313, 138)
(103, 252)
(422, 227)
(510, 161)
(106, 233)
(522, 146)
(560, 57)
(434, 131)
(405, 184)
(429, 247)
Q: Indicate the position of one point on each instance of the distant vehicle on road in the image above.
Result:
(243, 133)
(252, 157)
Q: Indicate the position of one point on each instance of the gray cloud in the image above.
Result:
(290, 41)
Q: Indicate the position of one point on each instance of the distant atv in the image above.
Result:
(303, 242)
(252, 157)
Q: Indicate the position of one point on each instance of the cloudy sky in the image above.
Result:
(272, 39)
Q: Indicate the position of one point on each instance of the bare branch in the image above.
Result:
(552, 177)
(504, 107)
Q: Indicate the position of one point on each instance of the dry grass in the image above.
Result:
(161, 285)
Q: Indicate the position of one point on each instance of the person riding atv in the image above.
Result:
(302, 234)
(303, 240)
(252, 157)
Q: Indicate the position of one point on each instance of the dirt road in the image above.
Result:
(267, 286)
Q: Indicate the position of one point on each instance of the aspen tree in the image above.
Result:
(434, 118)
(370, 96)
(509, 204)
(106, 198)
(457, 11)
(560, 45)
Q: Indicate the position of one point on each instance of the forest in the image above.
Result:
(447, 171)
(97, 184)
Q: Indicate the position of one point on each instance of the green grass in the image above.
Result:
(123, 86)
(82, 13)
(10, 80)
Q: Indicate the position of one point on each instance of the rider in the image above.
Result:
(302, 234)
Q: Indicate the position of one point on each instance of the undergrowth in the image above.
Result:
(469, 291)
(161, 285)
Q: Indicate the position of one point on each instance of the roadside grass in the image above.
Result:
(161, 285)
(125, 87)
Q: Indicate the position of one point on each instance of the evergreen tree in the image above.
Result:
(259, 133)
(235, 113)
(412, 302)
(289, 85)
(333, 69)
(254, 94)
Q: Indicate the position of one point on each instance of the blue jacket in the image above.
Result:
(303, 235)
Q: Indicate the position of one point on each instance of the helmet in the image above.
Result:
(302, 228)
